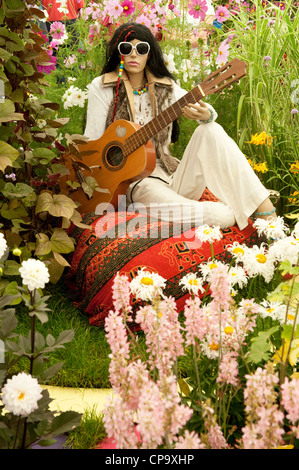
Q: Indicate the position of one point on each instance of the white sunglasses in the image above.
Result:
(126, 48)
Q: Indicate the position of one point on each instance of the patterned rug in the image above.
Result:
(126, 242)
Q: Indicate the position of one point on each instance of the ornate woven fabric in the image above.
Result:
(125, 242)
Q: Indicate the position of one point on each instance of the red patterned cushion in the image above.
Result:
(125, 242)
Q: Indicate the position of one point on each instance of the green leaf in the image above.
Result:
(61, 242)
(46, 442)
(44, 153)
(65, 336)
(43, 245)
(7, 112)
(8, 154)
(18, 190)
(4, 54)
(65, 422)
(12, 289)
(57, 205)
(11, 268)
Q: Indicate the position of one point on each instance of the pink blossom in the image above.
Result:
(195, 324)
(189, 440)
(290, 399)
(223, 53)
(220, 287)
(93, 10)
(128, 7)
(119, 423)
(198, 9)
(57, 29)
(228, 369)
(143, 19)
(222, 14)
(49, 66)
(121, 295)
(113, 9)
(264, 427)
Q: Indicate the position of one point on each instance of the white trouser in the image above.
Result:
(213, 160)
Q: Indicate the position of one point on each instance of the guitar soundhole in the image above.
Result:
(114, 156)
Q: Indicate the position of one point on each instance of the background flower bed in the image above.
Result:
(43, 115)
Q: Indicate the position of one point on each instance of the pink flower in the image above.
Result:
(128, 7)
(195, 321)
(121, 295)
(228, 370)
(113, 9)
(190, 440)
(223, 53)
(49, 66)
(290, 399)
(57, 29)
(222, 14)
(198, 8)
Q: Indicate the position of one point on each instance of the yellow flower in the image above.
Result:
(294, 197)
(214, 346)
(261, 167)
(294, 168)
(147, 281)
(261, 139)
(228, 330)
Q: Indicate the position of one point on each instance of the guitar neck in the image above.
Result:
(170, 114)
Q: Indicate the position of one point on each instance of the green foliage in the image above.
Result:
(31, 206)
(41, 424)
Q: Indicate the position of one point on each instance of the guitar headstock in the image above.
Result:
(224, 76)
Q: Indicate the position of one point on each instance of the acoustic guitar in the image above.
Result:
(125, 152)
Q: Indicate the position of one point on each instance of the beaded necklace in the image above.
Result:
(141, 90)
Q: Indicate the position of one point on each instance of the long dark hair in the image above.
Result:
(155, 63)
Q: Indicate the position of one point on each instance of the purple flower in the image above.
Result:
(267, 57)
(294, 111)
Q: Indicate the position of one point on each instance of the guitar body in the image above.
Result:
(109, 166)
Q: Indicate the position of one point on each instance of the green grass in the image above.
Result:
(85, 358)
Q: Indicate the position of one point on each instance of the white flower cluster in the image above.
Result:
(34, 273)
(74, 97)
(3, 245)
(20, 394)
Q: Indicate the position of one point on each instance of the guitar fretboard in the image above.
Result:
(156, 125)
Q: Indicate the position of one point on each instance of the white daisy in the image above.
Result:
(257, 260)
(273, 309)
(20, 394)
(147, 285)
(285, 249)
(205, 233)
(274, 228)
(207, 268)
(34, 273)
(192, 283)
(237, 250)
(237, 275)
